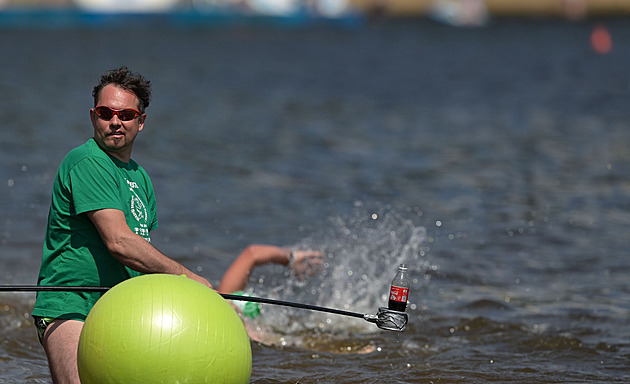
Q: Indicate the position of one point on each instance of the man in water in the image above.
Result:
(302, 263)
(102, 211)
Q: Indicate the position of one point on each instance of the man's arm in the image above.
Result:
(132, 250)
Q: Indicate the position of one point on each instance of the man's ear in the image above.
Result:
(141, 120)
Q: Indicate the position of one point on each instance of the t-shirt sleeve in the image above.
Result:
(94, 186)
(152, 206)
(151, 202)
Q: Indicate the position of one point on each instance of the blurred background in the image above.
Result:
(458, 12)
(483, 143)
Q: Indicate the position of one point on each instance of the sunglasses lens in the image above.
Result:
(127, 114)
(104, 113)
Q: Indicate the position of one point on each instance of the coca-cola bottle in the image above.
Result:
(399, 291)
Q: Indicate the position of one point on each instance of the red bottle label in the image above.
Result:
(399, 294)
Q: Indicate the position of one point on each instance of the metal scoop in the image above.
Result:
(389, 319)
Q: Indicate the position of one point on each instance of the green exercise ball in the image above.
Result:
(162, 328)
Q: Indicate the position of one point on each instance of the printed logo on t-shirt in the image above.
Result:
(138, 209)
(139, 212)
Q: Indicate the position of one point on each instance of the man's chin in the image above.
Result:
(112, 145)
(115, 142)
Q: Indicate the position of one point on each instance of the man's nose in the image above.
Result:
(115, 120)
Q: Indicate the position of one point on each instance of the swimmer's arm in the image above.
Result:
(133, 250)
(237, 275)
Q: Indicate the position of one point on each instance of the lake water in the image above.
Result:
(495, 162)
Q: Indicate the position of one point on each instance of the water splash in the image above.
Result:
(363, 251)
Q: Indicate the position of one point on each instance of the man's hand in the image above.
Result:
(197, 278)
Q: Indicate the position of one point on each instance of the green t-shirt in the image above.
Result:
(74, 253)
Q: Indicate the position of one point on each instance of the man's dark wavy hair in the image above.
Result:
(124, 78)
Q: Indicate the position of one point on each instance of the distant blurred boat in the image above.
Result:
(460, 13)
(130, 6)
(318, 8)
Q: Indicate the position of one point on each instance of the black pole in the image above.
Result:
(39, 288)
(291, 304)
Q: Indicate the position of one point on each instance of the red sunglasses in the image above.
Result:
(107, 113)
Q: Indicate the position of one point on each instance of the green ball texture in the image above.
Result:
(162, 328)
